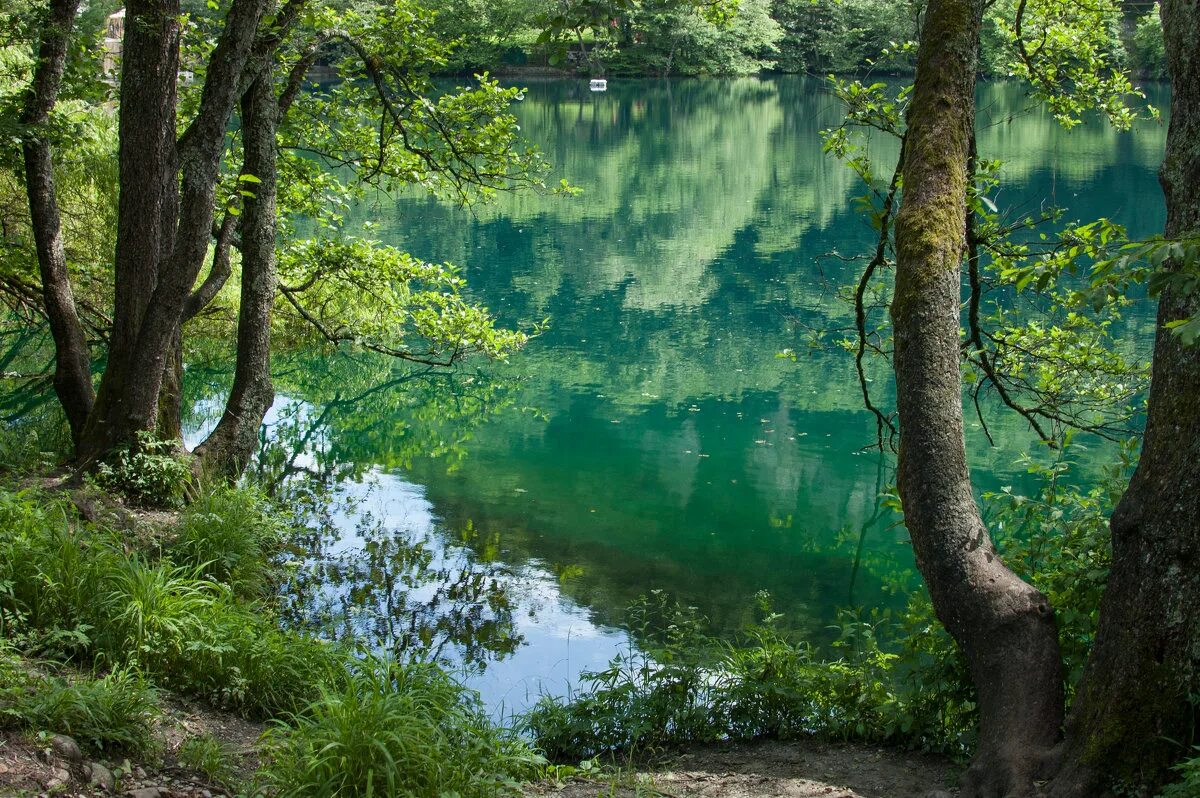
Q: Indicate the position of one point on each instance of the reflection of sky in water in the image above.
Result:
(559, 639)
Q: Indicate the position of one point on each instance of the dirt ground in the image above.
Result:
(32, 767)
(775, 770)
(761, 770)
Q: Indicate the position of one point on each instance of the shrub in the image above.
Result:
(393, 729)
(149, 473)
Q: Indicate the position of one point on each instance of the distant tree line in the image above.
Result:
(666, 37)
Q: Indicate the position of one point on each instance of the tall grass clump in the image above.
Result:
(74, 592)
(394, 729)
(111, 714)
(228, 534)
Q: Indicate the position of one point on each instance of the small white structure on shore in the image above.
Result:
(114, 32)
(598, 84)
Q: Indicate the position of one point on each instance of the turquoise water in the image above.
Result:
(651, 438)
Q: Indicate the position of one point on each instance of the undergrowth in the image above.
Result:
(394, 729)
(112, 713)
(892, 677)
(189, 619)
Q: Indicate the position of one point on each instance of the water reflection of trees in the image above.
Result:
(341, 423)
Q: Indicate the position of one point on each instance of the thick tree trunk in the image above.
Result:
(232, 443)
(72, 358)
(1004, 627)
(164, 226)
(148, 197)
(1135, 713)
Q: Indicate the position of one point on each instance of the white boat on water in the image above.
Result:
(598, 84)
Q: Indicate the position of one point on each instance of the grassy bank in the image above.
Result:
(99, 621)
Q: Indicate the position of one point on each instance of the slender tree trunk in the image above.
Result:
(232, 443)
(1004, 627)
(1135, 713)
(72, 358)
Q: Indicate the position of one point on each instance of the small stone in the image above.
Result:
(66, 747)
(145, 792)
(102, 777)
(937, 794)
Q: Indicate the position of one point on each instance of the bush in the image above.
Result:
(148, 474)
(394, 729)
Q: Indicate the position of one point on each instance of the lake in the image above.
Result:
(651, 437)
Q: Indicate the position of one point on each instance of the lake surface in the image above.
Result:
(651, 438)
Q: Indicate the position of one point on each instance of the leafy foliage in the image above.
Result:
(149, 473)
(1147, 53)
(1070, 54)
(384, 300)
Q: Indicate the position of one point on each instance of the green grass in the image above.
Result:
(392, 729)
(113, 713)
(228, 534)
(205, 754)
(344, 723)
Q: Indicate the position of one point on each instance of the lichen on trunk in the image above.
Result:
(1004, 626)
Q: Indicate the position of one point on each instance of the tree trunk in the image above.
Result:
(72, 358)
(1004, 627)
(232, 443)
(165, 213)
(146, 130)
(1135, 713)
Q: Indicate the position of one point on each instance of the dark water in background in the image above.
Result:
(651, 438)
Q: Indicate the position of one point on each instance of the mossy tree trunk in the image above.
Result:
(1135, 712)
(1004, 627)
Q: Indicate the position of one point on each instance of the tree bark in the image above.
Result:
(1135, 713)
(72, 358)
(228, 450)
(1004, 627)
(165, 212)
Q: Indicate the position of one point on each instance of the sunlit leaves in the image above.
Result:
(364, 294)
(1069, 52)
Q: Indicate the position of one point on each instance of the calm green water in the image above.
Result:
(651, 438)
